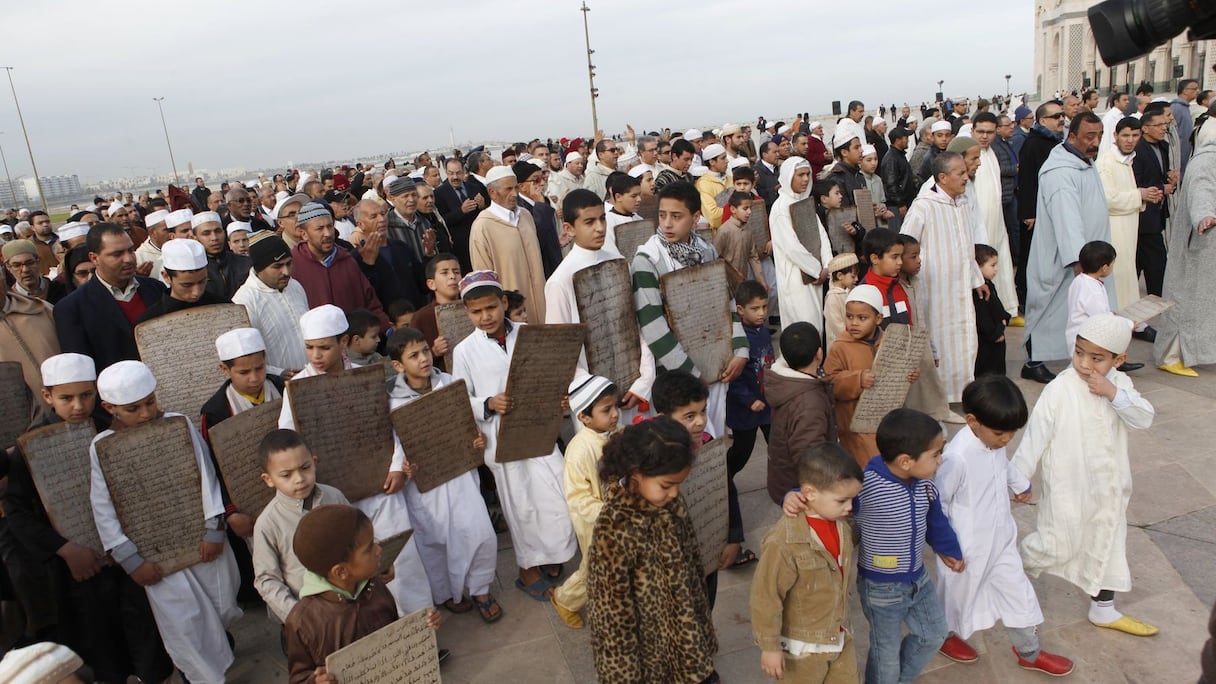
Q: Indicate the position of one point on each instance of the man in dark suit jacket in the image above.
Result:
(98, 318)
(531, 185)
(1152, 169)
(766, 174)
(459, 201)
(393, 269)
(1042, 139)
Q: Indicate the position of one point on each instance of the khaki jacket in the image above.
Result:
(798, 592)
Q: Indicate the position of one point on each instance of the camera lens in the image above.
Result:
(1127, 29)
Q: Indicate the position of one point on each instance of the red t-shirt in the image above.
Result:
(829, 535)
(893, 295)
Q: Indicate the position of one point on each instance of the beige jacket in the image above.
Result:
(27, 336)
(798, 591)
(514, 253)
(277, 573)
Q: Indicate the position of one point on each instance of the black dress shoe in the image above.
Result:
(1149, 334)
(1129, 367)
(1038, 373)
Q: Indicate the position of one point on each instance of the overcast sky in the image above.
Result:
(263, 83)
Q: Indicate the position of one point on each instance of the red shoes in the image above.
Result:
(958, 650)
(1047, 663)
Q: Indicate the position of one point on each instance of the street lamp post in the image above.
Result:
(168, 144)
(37, 178)
(11, 189)
(595, 122)
(1008, 93)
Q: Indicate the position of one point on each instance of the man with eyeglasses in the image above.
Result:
(1152, 169)
(531, 195)
(1046, 134)
(27, 333)
(596, 177)
(285, 217)
(990, 194)
(21, 260)
(240, 208)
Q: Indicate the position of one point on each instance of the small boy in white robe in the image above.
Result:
(529, 490)
(451, 523)
(973, 481)
(584, 221)
(1087, 295)
(325, 338)
(1078, 435)
(194, 606)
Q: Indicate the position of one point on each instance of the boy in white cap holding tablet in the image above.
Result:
(242, 355)
(1078, 435)
(530, 490)
(194, 606)
(184, 270)
(102, 613)
(325, 339)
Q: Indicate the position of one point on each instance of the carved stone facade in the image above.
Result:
(1066, 57)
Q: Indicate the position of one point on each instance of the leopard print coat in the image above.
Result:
(647, 603)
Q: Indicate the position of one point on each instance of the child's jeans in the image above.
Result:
(890, 605)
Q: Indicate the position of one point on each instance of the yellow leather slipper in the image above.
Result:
(1178, 369)
(1130, 625)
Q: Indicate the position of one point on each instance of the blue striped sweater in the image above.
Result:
(895, 519)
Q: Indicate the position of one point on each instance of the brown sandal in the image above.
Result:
(462, 606)
(489, 609)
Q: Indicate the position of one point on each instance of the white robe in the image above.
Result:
(192, 607)
(531, 491)
(948, 275)
(613, 219)
(389, 514)
(1124, 203)
(992, 226)
(974, 482)
(1079, 440)
(451, 525)
(561, 306)
(798, 300)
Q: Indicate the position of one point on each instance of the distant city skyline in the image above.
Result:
(328, 81)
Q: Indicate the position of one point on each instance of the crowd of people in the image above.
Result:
(979, 220)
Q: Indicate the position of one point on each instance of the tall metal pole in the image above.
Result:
(1008, 93)
(168, 144)
(595, 121)
(11, 189)
(37, 178)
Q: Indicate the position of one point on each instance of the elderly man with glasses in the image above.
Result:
(22, 261)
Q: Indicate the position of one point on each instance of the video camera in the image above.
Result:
(1127, 29)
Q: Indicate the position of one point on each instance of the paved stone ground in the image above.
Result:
(1171, 544)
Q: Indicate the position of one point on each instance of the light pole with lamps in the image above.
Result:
(37, 178)
(595, 122)
(1008, 93)
(11, 188)
(168, 144)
